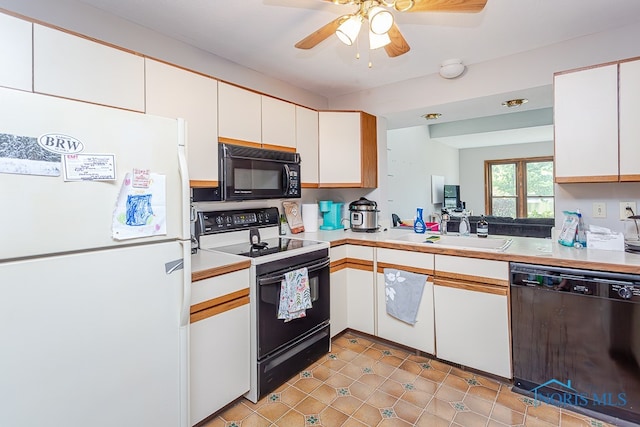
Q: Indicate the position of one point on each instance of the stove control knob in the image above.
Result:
(625, 292)
(219, 220)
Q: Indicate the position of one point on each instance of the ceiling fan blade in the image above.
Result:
(470, 6)
(320, 34)
(398, 45)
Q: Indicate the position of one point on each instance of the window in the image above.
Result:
(519, 188)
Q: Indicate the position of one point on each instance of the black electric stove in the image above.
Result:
(269, 247)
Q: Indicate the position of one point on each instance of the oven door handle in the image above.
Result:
(278, 277)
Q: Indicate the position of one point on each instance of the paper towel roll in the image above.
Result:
(310, 217)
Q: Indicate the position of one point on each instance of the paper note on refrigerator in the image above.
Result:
(140, 211)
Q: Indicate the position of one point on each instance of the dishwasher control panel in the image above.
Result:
(625, 291)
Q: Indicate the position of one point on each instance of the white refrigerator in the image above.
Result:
(94, 265)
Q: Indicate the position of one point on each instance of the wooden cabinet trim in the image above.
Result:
(417, 270)
(225, 140)
(630, 178)
(357, 264)
(310, 185)
(219, 271)
(585, 179)
(218, 309)
(222, 301)
(369, 150)
(195, 183)
(444, 275)
(278, 148)
(476, 287)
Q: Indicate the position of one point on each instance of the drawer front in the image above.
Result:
(360, 252)
(489, 271)
(215, 287)
(412, 259)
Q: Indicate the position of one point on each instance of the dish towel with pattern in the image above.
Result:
(403, 292)
(295, 295)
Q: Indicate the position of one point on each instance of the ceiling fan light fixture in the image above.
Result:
(380, 20)
(451, 68)
(403, 5)
(348, 31)
(377, 41)
(515, 102)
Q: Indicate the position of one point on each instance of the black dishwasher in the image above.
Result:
(576, 338)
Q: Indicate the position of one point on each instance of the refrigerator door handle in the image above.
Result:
(174, 265)
(185, 185)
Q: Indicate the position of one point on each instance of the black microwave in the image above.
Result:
(248, 173)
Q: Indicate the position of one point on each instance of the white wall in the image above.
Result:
(412, 158)
(570, 197)
(472, 167)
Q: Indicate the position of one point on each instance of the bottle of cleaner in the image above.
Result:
(465, 228)
(581, 235)
(482, 227)
(418, 225)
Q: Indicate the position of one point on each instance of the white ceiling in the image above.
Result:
(260, 35)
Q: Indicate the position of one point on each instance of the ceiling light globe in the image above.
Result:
(452, 68)
(377, 41)
(380, 20)
(348, 31)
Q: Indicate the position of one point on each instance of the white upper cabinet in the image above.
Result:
(15, 51)
(347, 150)
(239, 114)
(586, 125)
(175, 92)
(307, 145)
(278, 123)
(629, 123)
(75, 67)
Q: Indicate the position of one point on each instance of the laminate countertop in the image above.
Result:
(522, 249)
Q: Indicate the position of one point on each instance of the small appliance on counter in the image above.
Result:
(363, 215)
(331, 215)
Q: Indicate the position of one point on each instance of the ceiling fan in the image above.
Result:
(383, 31)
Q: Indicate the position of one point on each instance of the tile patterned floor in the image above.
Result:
(366, 383)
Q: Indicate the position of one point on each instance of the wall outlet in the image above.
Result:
(624, 213)
(599, 210)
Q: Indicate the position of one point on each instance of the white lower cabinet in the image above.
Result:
(219, 361)
(338, 303)
(421, 335)
(471, 306)
(472, 329)
(352, 294)
(219, 342)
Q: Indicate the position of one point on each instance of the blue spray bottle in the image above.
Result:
(419, 225)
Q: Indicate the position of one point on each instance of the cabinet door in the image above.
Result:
(586, 125)
(629, 123)
(219, 359)
(472, 326)
(307, 145)
(338, 301)
(421, 335)
(174, 92)
(361, 299)
(239, 114)
(339, 149)
(15, 51)
(74, 67)
(278, 124)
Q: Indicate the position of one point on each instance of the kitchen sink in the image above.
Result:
(494, 244)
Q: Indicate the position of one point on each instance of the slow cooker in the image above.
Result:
(363, 215)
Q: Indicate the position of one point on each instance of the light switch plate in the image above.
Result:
(624, 213)
(599, 210)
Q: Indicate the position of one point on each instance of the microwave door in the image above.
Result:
(253, 179)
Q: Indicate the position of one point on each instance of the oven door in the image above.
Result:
(274, 333)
